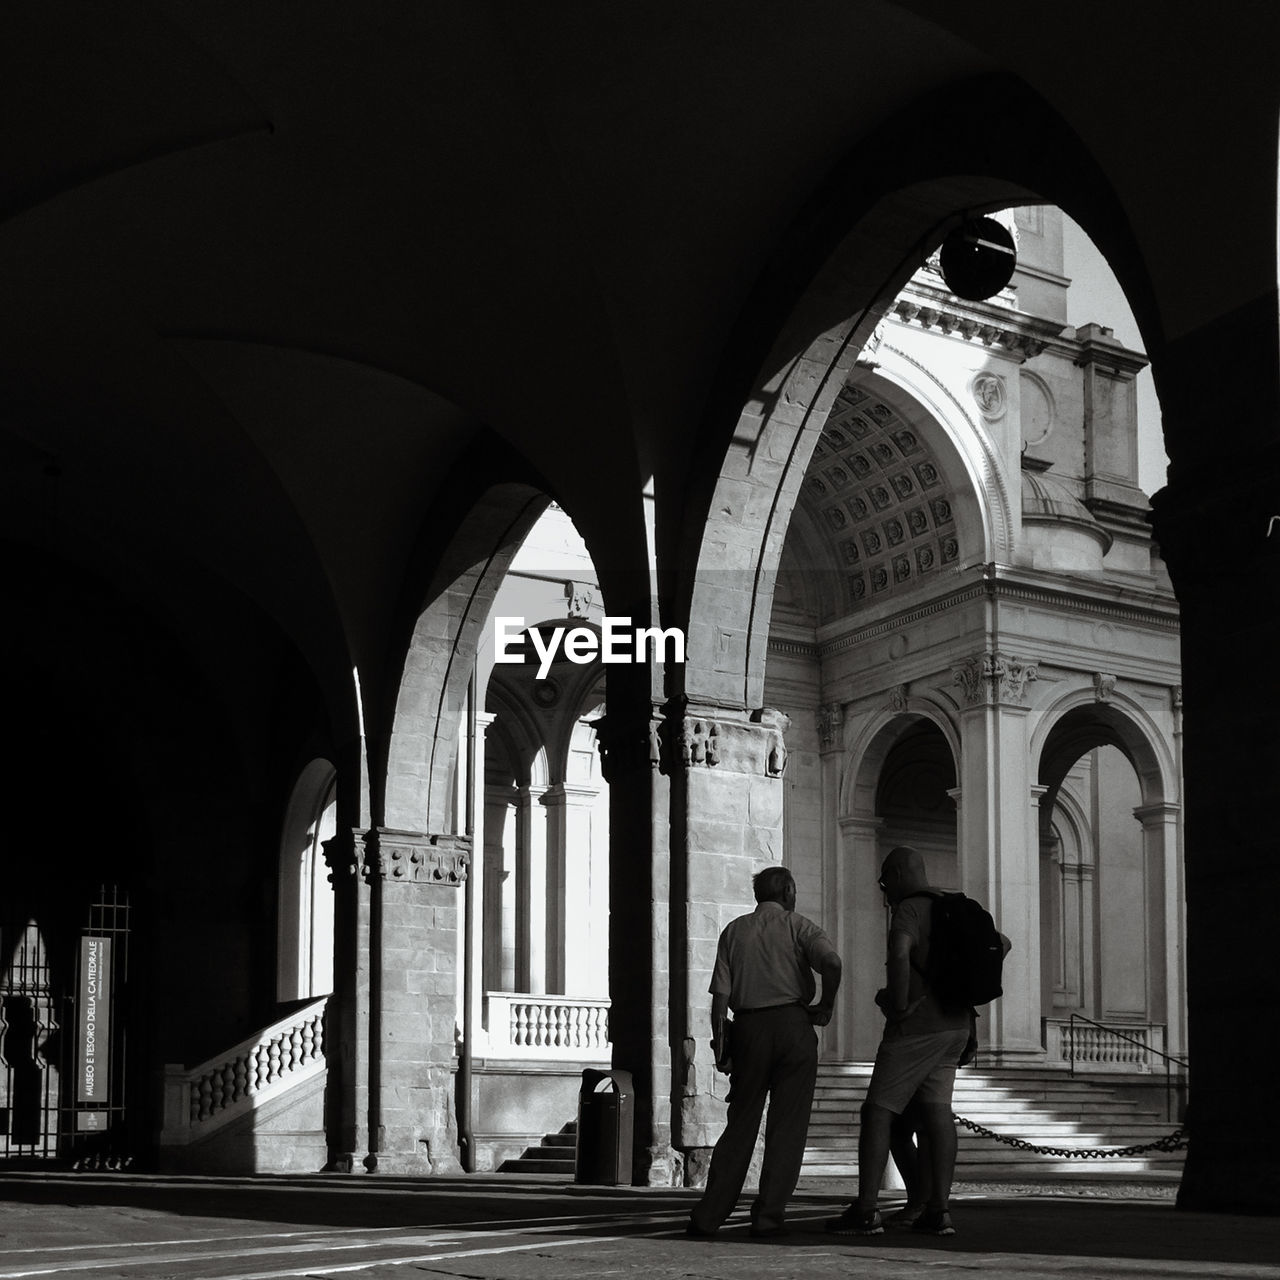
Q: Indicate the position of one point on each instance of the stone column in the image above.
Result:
(830, 724)
(347, 1018)
(500, 889)
(478, 871)
(863, 931)
(570, 904)
(531, 892)
(727, 817)
(414, 920)
(999, 838)
(1213, 523)
(556, 851)
(1160, 823)
(639, 922)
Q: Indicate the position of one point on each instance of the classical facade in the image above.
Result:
(976, 644)
(307, 326)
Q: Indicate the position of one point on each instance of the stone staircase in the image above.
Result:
(555, 1153)
(1046, 1108)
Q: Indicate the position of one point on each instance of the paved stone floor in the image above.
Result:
(105, 1226)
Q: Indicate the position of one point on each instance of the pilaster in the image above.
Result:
(863, 934)
(1160, 840)
(999, 836)
(830, 725)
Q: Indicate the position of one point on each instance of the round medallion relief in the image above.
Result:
(988, 394)
(898, 647)
(546, 693)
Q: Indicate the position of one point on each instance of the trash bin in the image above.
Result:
(606, 1122)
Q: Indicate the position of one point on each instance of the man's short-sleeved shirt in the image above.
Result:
(768, 958)
(914, 917)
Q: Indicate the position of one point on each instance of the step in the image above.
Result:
(1045, 1108)
(525, 1164)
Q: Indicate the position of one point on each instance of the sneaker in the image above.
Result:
(934, 1222)
(770, 1233)
(907, 1216)
(855, 1222)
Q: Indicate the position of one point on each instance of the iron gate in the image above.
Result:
(63, 1038)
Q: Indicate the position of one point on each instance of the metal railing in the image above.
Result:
(1146, 1046)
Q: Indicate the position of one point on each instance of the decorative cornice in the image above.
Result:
(783, 647)
(415, 857)
(1163, 617)
(994, 678)
(1021, 335)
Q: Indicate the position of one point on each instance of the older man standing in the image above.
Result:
(764, 970)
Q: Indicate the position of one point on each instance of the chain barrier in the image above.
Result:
(1175, 1141)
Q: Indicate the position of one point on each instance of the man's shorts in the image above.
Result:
(921, 1067)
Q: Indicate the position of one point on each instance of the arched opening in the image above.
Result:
(540, 876)
(1110, 890)
(304, 901)
(969, 541)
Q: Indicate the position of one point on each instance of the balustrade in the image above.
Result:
(201, 1098)
(1137, 1047)
(547, 1026)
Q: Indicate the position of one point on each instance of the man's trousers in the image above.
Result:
(775, 1056)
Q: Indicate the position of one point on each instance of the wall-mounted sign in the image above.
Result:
(93, 1038)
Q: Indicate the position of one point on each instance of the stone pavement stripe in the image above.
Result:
(328, 1242)
(512, 1224)
(311, 1271)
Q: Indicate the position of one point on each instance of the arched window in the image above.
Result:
(304, 950)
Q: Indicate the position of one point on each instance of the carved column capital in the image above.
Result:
(994, 678)
(628, 743)
(415, 857)
(340, 855)
(726, 738)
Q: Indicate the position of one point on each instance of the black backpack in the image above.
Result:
(966, 953)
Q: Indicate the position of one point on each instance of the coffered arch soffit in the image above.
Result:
(902, 487)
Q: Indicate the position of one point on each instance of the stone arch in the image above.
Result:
(441, 657)
(858, 908)
(1122, 721)
(1072, 827)
(865, 756)
(1128, 975)
(802, 333)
